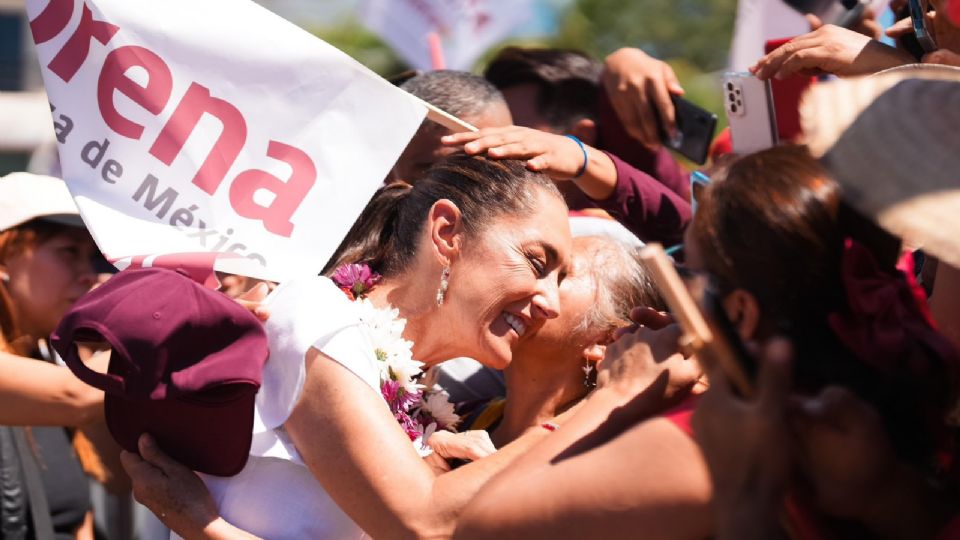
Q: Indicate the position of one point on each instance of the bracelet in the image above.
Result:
(583, 149)
(549, 426)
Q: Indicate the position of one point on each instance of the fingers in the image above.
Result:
(647, 122)
(152, 454)
(665, 109)
(484, 446)
(256, 294)
(771, 65)
(647, 316)
(814, 21)
(673, 84)
(133, 463)
(900, 28)
(943, 56)
(459, 139)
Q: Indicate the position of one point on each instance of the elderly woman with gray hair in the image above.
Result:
(555, 369)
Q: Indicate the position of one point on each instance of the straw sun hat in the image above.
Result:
(891, 141)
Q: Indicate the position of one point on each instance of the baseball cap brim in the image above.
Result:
(212, 438)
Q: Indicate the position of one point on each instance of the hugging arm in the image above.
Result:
(364, 460)
(610, 471)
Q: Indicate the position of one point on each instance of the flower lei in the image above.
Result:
(419, 406)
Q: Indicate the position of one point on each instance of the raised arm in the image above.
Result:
(35, 393)
(606, 473)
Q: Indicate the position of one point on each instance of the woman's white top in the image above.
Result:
(275, 496)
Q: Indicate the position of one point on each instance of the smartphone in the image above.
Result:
(844, 13)
(695, 130)
(918, 12)
(748, 103)
(712, 339)
(786, 98)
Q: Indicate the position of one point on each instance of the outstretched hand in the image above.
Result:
(170, 490)
(829, 49)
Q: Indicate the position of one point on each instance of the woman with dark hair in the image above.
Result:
(45, 266)
(471, 258)
(870, 371)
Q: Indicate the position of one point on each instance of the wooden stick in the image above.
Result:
(698, 334)
(444, 118)
(696, 331)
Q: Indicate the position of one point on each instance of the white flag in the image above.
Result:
(467, 28)
(214, 126)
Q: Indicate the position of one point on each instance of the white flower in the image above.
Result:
(437, 404)
(404, 369)
(385, 330)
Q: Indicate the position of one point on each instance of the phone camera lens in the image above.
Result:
(730, 86)
(733, 109)
(732, 97)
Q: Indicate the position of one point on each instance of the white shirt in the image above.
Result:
(275, 496)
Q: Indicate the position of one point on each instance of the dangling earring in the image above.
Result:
(444, 283)
(587, 370)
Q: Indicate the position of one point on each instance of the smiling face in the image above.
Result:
(565, 337)
(46, 278)
(504, 286)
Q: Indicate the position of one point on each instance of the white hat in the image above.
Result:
(26, 196)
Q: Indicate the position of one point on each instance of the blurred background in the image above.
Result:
(692, 35)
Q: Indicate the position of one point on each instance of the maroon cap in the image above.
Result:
(185, 366)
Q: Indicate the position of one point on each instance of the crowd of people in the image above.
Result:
(487, 354)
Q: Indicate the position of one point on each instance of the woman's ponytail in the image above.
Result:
(371, 238)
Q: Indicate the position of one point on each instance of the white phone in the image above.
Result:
(750, 113)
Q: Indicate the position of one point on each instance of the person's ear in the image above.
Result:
(445, 224)
(594, 352)
(744, 312)
(585, 129)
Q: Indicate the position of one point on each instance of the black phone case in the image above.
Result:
(696, 128)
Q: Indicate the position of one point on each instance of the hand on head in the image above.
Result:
(557, 156)
(646, 353)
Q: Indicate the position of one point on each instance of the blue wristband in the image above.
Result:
(586, 160)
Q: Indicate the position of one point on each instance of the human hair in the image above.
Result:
(459, 93)
(567, 81)
(622, 283)
(770, 225)
(13, 242)
(386, 234)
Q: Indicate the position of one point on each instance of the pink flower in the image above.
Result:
(356, 279)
